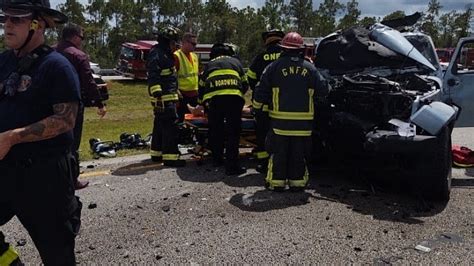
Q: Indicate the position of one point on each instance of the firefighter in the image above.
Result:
(162, 88)
(221, 89)
(8, 254)
(187, 66)
(39, 99)
(288, 86)
(272, 51)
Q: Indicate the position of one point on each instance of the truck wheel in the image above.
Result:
(434, 169)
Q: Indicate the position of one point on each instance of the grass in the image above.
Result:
(128, 110)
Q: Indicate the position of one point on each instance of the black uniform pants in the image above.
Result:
(76, 143)
(183, 106)
(262, 120)
(225, 122)
(288, 160)
(164, 141)
(40, 192)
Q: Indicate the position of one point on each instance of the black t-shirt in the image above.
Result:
(50, 81)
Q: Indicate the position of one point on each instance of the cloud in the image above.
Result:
(377, 8)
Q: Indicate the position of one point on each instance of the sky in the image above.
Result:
(377, 8)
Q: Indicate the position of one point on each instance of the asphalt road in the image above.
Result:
(146, 214)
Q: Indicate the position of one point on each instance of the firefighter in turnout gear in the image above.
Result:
(187, 66)
(162, 88)
(272, 51)
(221, 89)
(8, 255)
(289, 86)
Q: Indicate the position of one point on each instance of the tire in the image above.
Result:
(434, 169)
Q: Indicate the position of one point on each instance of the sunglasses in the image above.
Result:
(15, 20)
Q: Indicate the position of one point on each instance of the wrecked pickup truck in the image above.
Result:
(390, 105)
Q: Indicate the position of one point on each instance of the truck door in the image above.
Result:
(458, 81)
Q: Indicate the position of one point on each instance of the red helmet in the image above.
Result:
(292, 40)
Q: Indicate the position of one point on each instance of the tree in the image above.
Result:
(301, 12)
(352, 15)
(367, 21)
(74, 11)
(429, 23)
(462, 22)
(325, 17)
(394, 15)
(274, 14)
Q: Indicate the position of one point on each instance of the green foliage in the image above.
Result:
(394, 15)
(128, 110)
(109, 23)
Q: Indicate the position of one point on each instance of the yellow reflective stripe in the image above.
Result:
(155, 153)
(261, 155)
(269, 178)
(301, 182)
(170, 157)
(251, 74)
(292, 115)
(244, 78)
(296, 133)
(167, 71)
(311, 102)
(155, 88)
(257, 104)
(153, 99)
(265, 108)
(276, 103)
(221, 72)
(170, 97)
(8, 256)
(209, 95)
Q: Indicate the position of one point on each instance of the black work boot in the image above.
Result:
(8, 254)
(174, 163)
(157, 159)
(235, 170)
(262, 166)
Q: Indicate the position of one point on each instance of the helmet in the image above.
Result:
(170, 33)
(43, 7)
(292, 40)
(219, 49)
(272, 36)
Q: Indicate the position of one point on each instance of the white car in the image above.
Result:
(391, 107)
(95, 68)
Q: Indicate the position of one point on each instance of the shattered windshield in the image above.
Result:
(423, 44)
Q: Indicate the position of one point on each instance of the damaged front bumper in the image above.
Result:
(431, 118)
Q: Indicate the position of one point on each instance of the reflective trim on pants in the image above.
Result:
(269, 178)
(170, 157)
(155, 153)
(301, 182)
(8, 256)
(261, 155)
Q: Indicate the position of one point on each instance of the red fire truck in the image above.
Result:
(132, 59)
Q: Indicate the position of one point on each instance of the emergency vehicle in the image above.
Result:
(133, 55)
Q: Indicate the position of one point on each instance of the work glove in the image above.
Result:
(158, 106)
(170, 112)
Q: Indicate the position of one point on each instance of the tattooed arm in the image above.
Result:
(60, 122)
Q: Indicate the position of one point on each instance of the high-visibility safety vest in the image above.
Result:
(188, 72)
